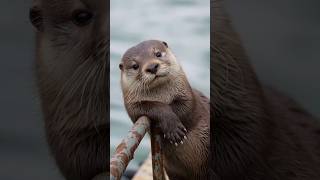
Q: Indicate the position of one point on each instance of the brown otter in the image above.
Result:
(154, 85)
(257, 133)
(72, 76)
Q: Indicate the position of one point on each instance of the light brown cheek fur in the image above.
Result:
(133, 90)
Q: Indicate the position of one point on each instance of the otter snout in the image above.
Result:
(152, 68)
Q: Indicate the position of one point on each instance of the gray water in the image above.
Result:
(183, 24)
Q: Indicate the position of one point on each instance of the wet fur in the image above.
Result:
(257, 133)
(72, 77)
(166, 105)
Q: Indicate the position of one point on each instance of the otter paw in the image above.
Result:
(176, 135)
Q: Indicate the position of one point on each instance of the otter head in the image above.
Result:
(71, 55)
(148, 65)
(71, 34)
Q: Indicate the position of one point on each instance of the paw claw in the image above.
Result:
(181, 142)
(176, 144)
(185, 137)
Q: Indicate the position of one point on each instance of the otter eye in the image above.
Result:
(135, 66)
(36, 18)
(158, 54)
(166, 44)
(82, 17)
(121, 66)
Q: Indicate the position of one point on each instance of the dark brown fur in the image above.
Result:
(257, 133)
(72, 76)
(168, 105)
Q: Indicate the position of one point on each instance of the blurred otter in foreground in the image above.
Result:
(257, 133)
(72, 76)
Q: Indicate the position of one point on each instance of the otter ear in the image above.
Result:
(166, 44)
(121, 66)
(35, 15)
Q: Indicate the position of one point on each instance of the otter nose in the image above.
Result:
(152, 68)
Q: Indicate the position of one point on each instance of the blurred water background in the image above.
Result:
(183, 24)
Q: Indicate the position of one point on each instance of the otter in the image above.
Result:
(257, 132)
(72, 64)
(155, 85)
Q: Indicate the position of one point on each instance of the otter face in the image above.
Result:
(71, 34)
(72, 59)
(149, 63)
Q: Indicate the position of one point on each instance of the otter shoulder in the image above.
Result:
(201, 96)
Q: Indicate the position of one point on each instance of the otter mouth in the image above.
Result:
(160, 75)
(159, 78)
